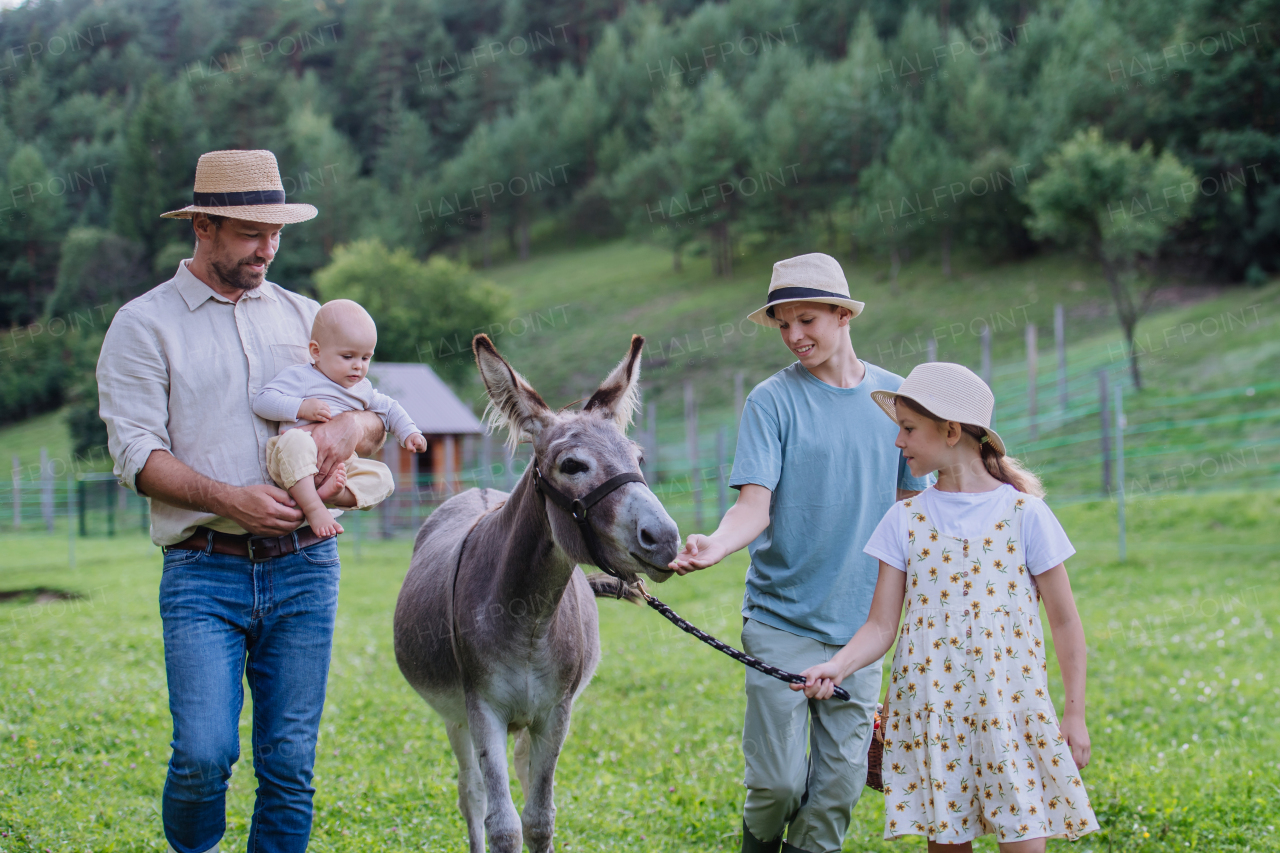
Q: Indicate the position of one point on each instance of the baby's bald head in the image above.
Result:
(343, 338)
(342, 321)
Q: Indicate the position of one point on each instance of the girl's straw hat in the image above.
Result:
(242, 185)
(806, 278)
(952, 392)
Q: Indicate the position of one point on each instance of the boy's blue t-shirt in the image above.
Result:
(828, 456)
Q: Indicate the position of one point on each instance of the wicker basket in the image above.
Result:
(875, 756)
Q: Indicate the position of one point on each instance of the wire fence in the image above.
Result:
(1059, 416)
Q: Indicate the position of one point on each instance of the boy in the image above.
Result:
(816, 470)
(343, 338)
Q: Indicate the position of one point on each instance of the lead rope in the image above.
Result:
(740, 656)
(578, 509)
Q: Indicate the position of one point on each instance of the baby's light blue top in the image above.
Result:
(827, 455)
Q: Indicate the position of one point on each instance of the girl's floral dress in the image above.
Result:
(972, 744)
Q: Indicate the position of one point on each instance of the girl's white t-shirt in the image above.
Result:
(953, 513)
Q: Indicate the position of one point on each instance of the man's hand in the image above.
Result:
(417, 443)
(339, 437)
(262, 510)
(699, 552)
(314, 409)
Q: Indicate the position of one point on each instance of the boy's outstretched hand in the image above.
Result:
(744, 521)
(416, 443)
(821, 680)
(699, 553)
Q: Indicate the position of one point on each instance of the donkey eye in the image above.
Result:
(572, 466)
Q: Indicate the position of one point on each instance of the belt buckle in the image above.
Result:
(249, 545)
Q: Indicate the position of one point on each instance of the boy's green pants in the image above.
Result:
(810, 797)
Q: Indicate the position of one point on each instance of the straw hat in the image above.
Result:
(806, 278)
(242, 185)
(953, 392)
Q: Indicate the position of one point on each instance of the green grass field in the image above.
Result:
(1183, 699)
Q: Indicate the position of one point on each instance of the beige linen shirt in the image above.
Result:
(179, 368)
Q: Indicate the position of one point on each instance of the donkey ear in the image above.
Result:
(513, 404)
(618, 396)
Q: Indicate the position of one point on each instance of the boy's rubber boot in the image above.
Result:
(751, 844)
(790, 848)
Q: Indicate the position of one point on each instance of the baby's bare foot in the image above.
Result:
(336, 483)
(322, 522)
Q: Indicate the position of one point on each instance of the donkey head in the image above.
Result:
(577, 451)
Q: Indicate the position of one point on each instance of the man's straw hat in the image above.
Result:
(806, 278)
(952, 392)
(242, 185)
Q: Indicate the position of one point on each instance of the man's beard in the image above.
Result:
(237, 276)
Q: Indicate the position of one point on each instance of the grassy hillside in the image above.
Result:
(25, 439)
(1207, 417)
(1196, 426)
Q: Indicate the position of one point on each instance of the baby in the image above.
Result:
(343, 337)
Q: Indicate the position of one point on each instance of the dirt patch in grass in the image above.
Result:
(38, 595)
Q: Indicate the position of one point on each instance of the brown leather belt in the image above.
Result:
(257, 548)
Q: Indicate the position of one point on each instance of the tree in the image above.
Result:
(157, 167)
(1117, 205)
(96, 269)
(713, 156)
(647, 184)
(29, 234)
(424, 311)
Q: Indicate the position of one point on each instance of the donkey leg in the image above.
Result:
(471, 793)
(489, 736)
(546, 741)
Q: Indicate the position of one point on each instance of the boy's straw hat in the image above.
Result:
(806, 278)
(953, 392)
(242, 185)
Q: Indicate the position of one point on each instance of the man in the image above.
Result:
(246, 590)
(816, 468)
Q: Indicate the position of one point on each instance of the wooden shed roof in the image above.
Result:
(432, 405)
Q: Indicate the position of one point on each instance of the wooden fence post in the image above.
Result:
(739, 400)
(691, 446)
(651, 442)
(986, 353)
(932, 350)
(1104, 436)
(71, 526)
(1120, 424)
(1060, 343)
(450, 467)
(111, 507)
(722, 476)
(46, 489)
(17, 493)
(82, 500)
(1031, 380)
(486, 457)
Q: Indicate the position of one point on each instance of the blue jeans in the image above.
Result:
(226, 619)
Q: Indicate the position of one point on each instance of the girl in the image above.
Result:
(972, 744)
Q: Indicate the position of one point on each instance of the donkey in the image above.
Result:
(496, 626)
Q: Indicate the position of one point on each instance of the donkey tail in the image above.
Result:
(607, 586)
